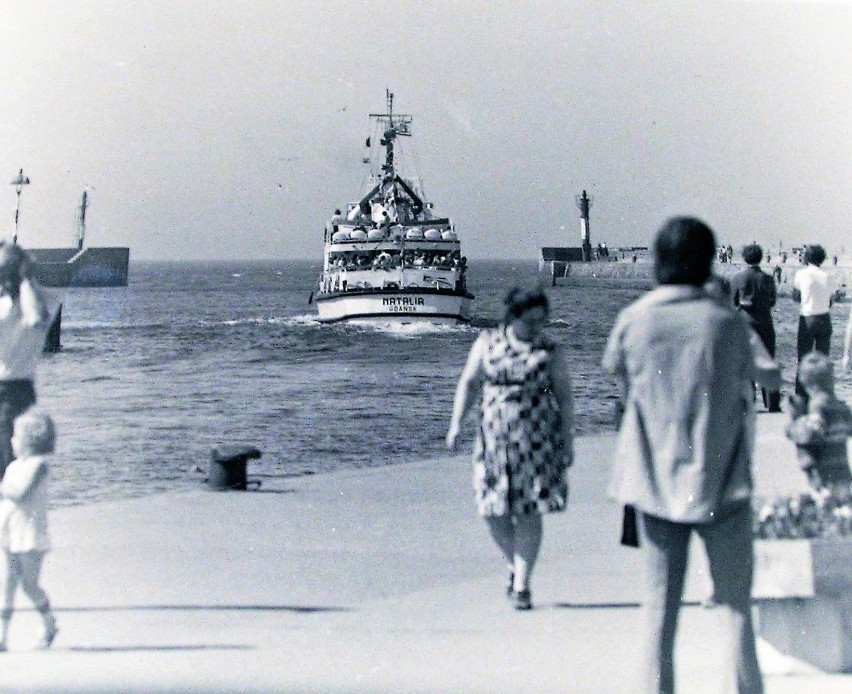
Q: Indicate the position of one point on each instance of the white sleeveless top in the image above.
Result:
(23, 524)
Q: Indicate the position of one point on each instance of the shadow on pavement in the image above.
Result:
(301, 609)
(126, 649)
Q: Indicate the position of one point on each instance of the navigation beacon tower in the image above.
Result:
(584, 202)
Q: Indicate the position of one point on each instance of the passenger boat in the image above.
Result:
(388, 257)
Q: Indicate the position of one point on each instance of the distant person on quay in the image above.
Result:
(847, 344)
(26, 313)
(821, 425)
(683, 458)
(518, 379)
(23, 519)
(754, 293)
(813, 289)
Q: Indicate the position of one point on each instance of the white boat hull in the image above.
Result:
(404, 306)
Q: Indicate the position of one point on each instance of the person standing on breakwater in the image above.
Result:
(846, 363)
(26, 313)
(813, 289)
(683, 458)
(753, 291)
(525, 440)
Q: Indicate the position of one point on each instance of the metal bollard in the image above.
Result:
(228, 466)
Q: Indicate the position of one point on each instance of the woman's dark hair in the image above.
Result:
(520, 300)
(683, 252)
(752, 254)
(814, 255)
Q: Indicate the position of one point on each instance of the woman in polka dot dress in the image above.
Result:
(524, 445)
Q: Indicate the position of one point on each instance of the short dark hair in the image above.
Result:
(814, 255)
(683, 252)
(752, 253)
(519, 300)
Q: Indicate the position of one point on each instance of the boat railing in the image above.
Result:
(342, 280)
(407, 261)
(399, 233)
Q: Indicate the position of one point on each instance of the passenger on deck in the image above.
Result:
(377, 212)
(337, 219)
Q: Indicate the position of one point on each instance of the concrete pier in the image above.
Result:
(379, 580)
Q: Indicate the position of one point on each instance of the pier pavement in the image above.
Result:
(377, 580)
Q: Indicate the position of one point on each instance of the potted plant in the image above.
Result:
(803, 575)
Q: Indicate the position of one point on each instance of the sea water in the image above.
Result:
(190, 356)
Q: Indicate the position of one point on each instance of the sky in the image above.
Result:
(208, 130)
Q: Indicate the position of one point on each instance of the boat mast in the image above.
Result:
(395, 125)
(80, 226)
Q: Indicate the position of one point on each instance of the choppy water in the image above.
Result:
(189, 356)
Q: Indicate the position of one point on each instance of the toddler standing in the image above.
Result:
(23, 518)
(821, 425)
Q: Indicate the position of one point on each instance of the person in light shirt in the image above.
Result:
(813, 289)
(26, 313)
(684, 360)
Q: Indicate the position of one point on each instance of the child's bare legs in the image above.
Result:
(9, 589)
(27, 566)
(24, 568)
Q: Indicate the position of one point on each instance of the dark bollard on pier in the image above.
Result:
(228, 467)
(53, 340)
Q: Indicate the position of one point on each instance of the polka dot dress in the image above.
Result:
(517, 458)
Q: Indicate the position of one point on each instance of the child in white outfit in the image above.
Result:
(23, 518)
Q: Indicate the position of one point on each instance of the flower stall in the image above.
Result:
(802, 586)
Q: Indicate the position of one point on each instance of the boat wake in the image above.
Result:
(101, 324)
(409, 330)
(304, 319)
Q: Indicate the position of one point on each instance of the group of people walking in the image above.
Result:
(686, 362)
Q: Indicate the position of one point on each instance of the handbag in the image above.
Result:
(629, 527)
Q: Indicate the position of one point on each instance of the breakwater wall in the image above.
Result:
(640, 274)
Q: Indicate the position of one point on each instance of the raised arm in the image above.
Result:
(34, 309)
(560, 377)
(16, 490)
(468, 387)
